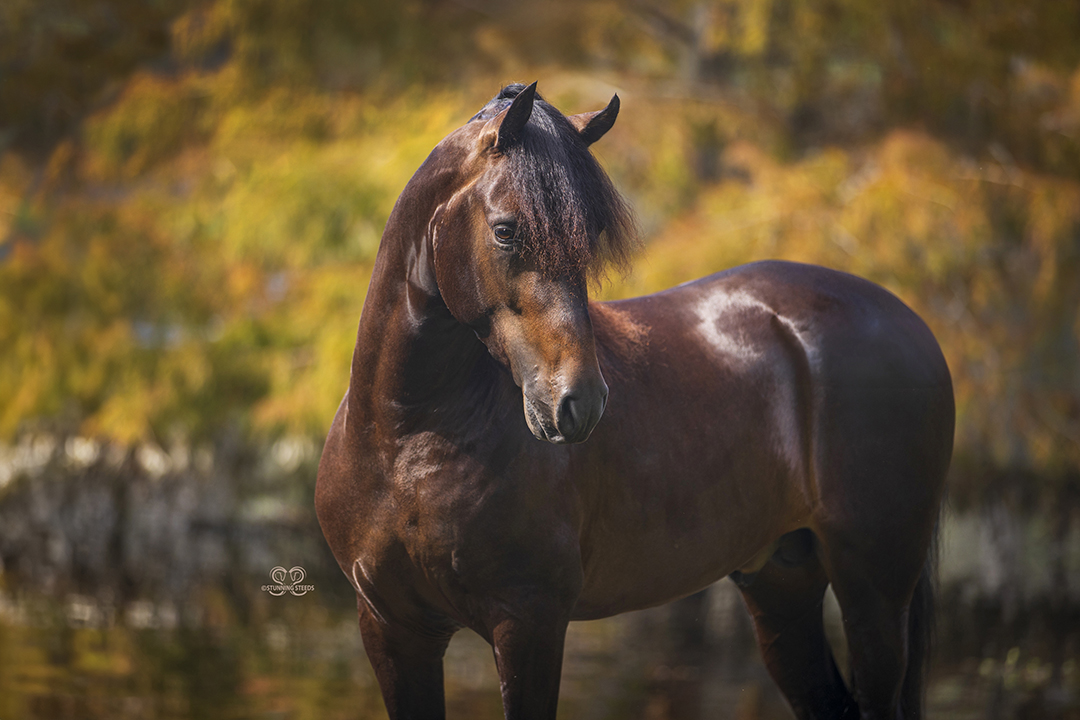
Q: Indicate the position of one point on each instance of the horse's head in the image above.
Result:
(533, 219)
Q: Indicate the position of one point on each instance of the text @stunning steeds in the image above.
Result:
(287, 581)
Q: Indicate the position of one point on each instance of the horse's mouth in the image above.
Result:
(542, 427)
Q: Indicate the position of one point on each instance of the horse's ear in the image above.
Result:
(592, 126)
(504, 129)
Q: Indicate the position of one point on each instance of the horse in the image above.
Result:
(509, 456)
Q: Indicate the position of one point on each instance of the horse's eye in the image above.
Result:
(505, 233)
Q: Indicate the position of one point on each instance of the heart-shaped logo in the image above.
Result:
(288, 581)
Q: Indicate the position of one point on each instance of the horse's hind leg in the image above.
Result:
(883, 438)
(785, 599)
(882, 598)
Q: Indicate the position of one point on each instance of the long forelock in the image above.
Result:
(573, 220)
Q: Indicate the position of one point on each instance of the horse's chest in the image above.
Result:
(432, 491)
(462, 517)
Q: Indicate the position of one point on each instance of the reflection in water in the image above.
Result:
(301, 657)
(142, 597)
(273, 670)
(298, 658)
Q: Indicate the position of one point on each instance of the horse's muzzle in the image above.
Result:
(575, 414)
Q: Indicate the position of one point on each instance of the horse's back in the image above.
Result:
(850, 333)
(849, 325)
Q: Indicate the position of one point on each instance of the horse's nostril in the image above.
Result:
(578, 410)
(569, 415)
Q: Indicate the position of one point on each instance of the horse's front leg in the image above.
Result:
(528, 634)
(408, 665)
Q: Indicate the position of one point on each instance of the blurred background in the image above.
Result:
(191, 198)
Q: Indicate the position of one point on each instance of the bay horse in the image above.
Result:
(785, 424)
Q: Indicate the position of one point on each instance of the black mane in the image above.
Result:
(573, 218)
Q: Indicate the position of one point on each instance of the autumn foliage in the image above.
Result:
(191, 194)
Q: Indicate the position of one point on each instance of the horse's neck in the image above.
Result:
(412, 357)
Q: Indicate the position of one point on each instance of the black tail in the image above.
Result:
(920, 636)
